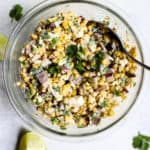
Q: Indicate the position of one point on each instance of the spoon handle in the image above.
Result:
(137, 61)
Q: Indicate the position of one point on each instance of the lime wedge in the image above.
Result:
(31, 141)
(3, 41)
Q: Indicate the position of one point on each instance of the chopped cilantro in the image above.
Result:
(117, 93)
(141, 142)
(79, 67)
(104, 104)
(98, 59)
(55, 121)
(44, 35)
(16, 12)
(54, 42)
(54, 69)
(71, 50)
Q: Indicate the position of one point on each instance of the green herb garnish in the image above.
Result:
(76, 54)
(54, 42)
(71, 50)
(103, 104)
(44, 35)
(141, 142)
(16, 12)
(63, 127)
(106, 23)
(79, 66)
(55, 121)
(23, 63)
(54, 69)
(117, 93)
(82, 126)
(98, 60)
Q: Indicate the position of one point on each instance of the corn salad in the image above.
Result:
(73, 72)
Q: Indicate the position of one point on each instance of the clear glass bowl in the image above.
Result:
(19, 37)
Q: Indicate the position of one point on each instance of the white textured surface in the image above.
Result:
(120, 139)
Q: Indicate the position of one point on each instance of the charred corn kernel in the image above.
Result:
(91, 26)
(75, 72)
(22, 58)
(58, 113)
(39, 29)
(57, 30)
(124, 96)
(52, 115)
(67, 118)
(26, 79)
(53, 19)
(74, 92)
(117, 53)
(22, 85)
(90, 33)
(116, 75)
(65, 24)
(133, 52)
(101, 82)
(34, 36)
(105, 62)
(86, 74)
(111, 112)
(60, 48)
(36, 66)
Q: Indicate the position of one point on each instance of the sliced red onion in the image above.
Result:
(28, 50)
(64, 68)
(82, 18)
(109, 73)
(96, 120)
(125, 90)
(110, 79)
(103, 47)
(52, 25)
(42, 77)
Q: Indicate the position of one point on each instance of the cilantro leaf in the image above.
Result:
(98, 60)
(104, 104)
(141, 142)
(79, 66)
(54, 69)
(72, 50)
(16, 12)
(54, 42)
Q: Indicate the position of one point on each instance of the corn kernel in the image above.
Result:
(34, 36)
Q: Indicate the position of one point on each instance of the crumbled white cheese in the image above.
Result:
(46, 62)
(123, 62)
(35, 58)
(76, 102)
(39, 99)
(62, 61)
(92, 46)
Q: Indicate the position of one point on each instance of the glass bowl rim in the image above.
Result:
(5, 65)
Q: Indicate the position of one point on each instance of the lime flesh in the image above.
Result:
(31, 141)
(3, 41)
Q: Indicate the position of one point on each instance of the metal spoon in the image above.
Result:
(107, 31)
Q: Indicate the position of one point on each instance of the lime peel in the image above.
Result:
(3, 41)
(32, 141)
